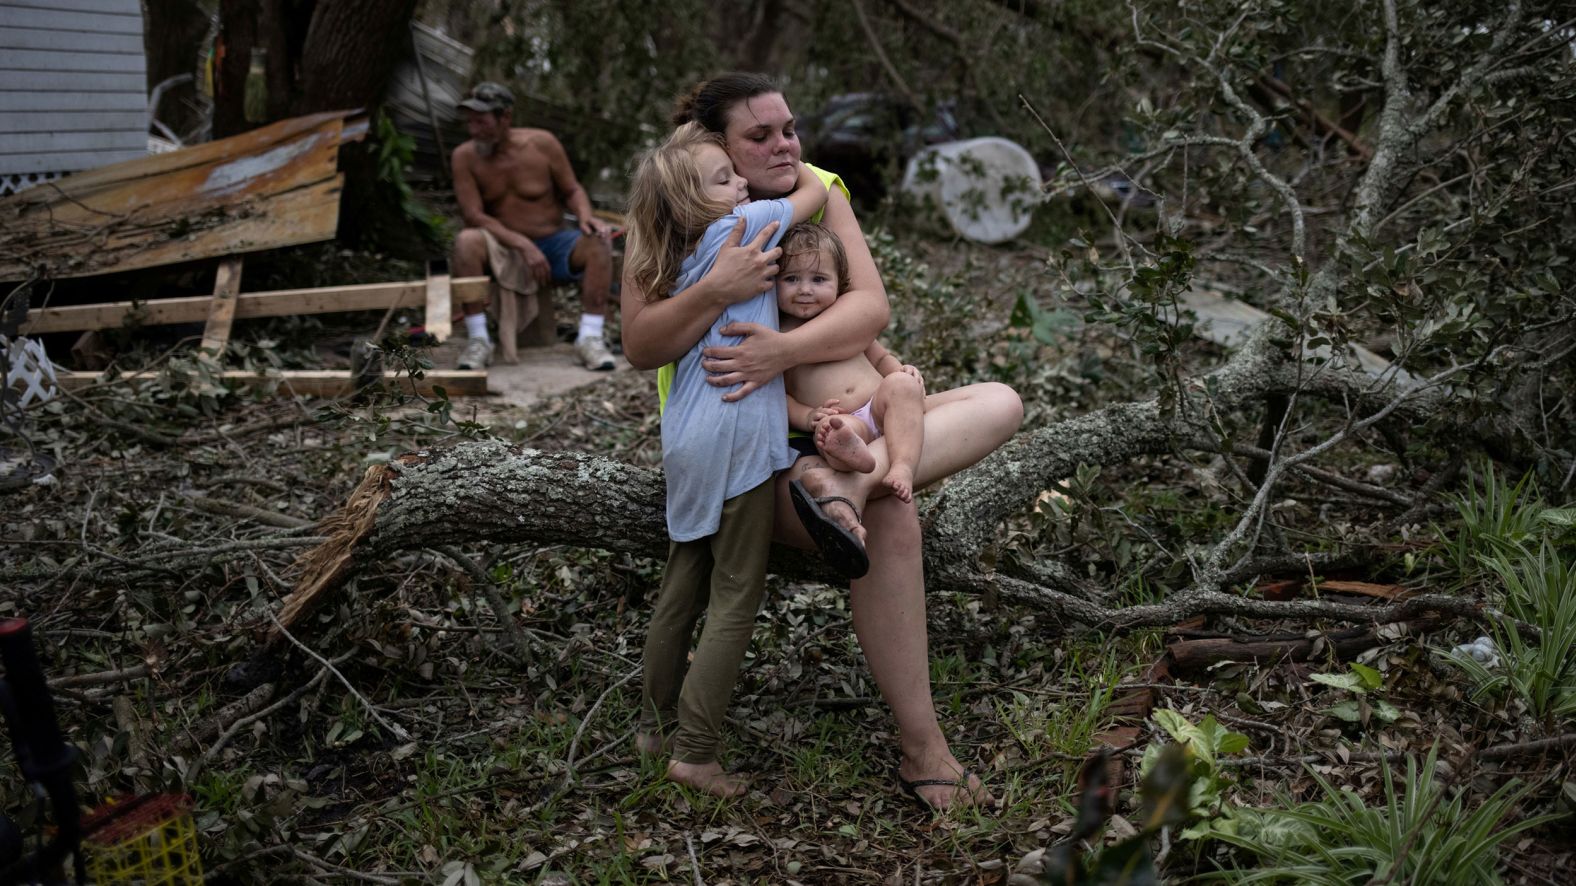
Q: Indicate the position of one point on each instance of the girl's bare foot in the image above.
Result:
(900, 479)
(708, 777)
(842, 448)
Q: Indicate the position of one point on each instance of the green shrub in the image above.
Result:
(1540, 590)
(1421, 833)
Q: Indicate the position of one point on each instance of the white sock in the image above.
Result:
(590, 326)
(476, 326)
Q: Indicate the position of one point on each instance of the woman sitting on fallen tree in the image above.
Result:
(961, 426)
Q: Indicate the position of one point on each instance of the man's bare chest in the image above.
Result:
(523, 175)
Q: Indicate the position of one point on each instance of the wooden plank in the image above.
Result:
(70, 81)
(74, 121)
(321, 382)
(221, 309)
(304, 215)
(249, 305)
(16, 15)
(437, 322)
(41, 38)
(190, 192)
(73, 101)
(269, 187)
(73, 62)
(51, 142)
(79, 187)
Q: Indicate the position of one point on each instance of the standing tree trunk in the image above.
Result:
(322, 55)
(351, 48)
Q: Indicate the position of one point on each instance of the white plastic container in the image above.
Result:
(986, 188)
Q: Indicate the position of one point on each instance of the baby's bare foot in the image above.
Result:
(708, 777)
(900, 479)
(842, 448)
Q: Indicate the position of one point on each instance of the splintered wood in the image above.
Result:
(274, 186)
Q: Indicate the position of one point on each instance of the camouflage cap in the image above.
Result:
(490, 97)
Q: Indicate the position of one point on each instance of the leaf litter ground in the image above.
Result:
(174, 520)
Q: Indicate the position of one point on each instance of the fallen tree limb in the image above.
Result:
(73, 681)
(1529, 748)
(1197, 601)
(489, 491)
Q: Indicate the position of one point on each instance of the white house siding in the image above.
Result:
(73, 87)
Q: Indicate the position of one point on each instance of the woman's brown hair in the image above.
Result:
(708, 103)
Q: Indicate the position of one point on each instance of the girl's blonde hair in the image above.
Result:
(810, 238)
(669, 209)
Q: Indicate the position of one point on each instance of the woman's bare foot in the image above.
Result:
(824, 482)
(708, 777)
(900, 479)
(842, 448)
(651, 743)
(951, 794)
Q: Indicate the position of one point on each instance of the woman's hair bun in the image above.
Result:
(710, 100)
(684, 105)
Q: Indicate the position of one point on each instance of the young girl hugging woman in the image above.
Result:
(719, 457)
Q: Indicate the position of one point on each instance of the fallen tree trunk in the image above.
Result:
(494, 492)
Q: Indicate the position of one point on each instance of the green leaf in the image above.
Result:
(1347, 710)
(1349, 682)
(1371, 678)
(1232, 743)
(1564, 517)
(1175, 724)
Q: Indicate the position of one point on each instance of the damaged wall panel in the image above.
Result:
(271, 187)
(81, 62)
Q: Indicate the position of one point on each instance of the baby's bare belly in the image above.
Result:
(852, 382)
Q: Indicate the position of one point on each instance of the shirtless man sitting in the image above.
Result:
(513, 187)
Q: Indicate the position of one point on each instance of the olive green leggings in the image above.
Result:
(724, 576)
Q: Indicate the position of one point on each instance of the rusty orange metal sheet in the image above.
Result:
(274, 186)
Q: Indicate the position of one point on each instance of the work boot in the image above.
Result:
(594, 354)
(477, 354)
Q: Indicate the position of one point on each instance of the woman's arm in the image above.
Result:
(841, 331)
(659, 332)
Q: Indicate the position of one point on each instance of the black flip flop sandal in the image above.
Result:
(911, 788)
(842, 550)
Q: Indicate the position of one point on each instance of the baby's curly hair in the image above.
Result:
(809, 238)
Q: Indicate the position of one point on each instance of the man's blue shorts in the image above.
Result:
(557, 248)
